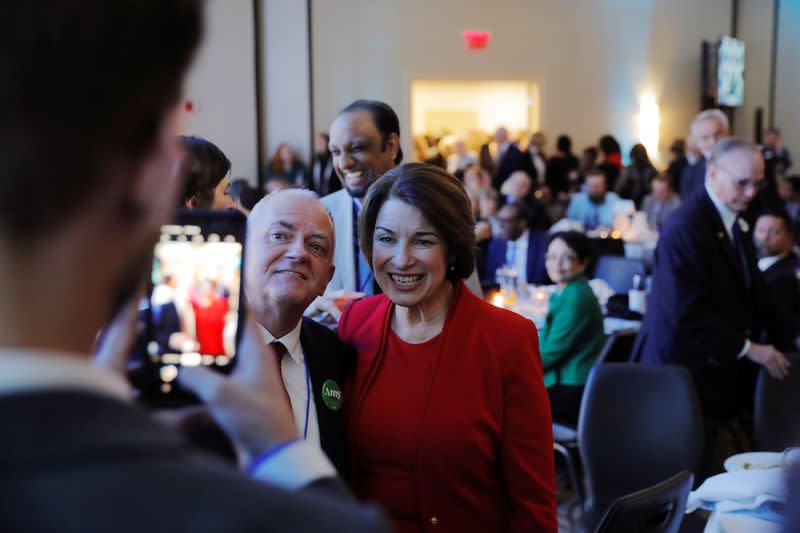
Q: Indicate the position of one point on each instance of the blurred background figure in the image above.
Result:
(508, 158)
(210, 311)
(323, 179)
(677, 163)
(205, 169)
(707, 128)
(559, 168)
(475, 180)
(244, 196)
(789, 192)
(612, 159)
(634, 183)
(586, 163)
(595, 206)
(537, 153)
(661, 202)
(460, 159)
(774, 239)
(487, 224)
(286, 166)
(518, 188)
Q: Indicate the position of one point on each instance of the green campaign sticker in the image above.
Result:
(332, 395)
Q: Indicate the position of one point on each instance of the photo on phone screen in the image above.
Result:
(193, 311)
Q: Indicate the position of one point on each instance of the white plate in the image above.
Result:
(754, 461)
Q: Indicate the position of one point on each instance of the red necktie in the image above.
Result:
(280, 350)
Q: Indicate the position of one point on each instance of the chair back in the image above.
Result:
(638, 425)
(618, 347)
(776, 417)
(618, 272)
(657, 509)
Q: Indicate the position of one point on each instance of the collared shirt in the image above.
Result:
(293, 371)
(292, 466)
(517, 255)
(766, 262)
(728, 218)
(539, 163)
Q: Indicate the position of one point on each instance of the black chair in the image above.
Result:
(639, 424)
(657, 509)
(617, 349)
(776, 419)
(618, 272)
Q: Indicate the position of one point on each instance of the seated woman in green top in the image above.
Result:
(572, 336)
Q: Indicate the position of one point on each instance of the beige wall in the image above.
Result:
(591, 59)
(755, 29)
(221, 84)
(286, 83)
(787, 101)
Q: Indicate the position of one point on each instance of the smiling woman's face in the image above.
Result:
(409, 256)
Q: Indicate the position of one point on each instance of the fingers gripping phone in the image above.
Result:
(193, 313)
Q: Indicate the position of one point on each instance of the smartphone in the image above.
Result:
(193, 313)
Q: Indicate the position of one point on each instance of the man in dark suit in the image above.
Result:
(708, 301)
(774, 237)
(77, 254)
(516, 247)
(509, 158)
(708, 127)
(289, 263)
(322, 177)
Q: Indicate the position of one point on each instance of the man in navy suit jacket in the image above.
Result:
(509, 159)
(774, 236)
(708, 127)
(708, 300)
(517, 247)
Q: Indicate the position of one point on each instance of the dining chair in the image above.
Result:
(618, 272)
(656, 509)
(638, 425)
(777, 424)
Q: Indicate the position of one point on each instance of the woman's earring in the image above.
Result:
(452, 268)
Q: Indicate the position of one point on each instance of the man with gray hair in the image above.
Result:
(290, 243)
(709, 305)
(708, 127)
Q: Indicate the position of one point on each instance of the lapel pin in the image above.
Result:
(332, 395)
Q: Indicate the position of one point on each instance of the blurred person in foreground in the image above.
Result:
(573, 335)
(419, 446)
(78, 435)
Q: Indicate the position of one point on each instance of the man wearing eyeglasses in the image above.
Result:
(709, 305)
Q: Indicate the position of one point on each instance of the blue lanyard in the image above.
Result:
(308, 400)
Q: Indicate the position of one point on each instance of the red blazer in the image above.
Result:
(486, 461)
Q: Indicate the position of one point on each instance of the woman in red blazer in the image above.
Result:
(448, 419)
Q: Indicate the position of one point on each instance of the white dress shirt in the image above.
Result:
(765, 262)
(539, 164)
(520, 255)
(728, 219)
(298, 385)
(23, 370)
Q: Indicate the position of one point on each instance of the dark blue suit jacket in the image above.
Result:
(513, 159)
(693, 178)
(495, 257)
(328, 358)
(700, 311)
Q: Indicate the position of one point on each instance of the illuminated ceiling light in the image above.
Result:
(649, 122)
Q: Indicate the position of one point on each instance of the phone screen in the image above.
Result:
(193, 312)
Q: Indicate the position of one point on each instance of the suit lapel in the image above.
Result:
(723, 240)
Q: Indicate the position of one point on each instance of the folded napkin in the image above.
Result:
(757, 492)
